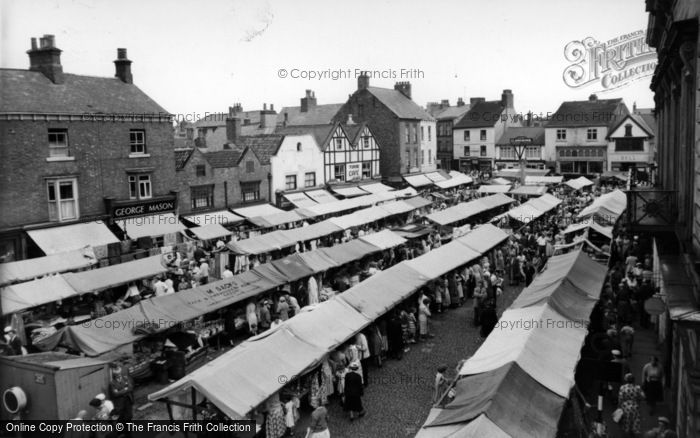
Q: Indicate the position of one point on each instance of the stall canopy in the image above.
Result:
(147, 226)
(114, 275)
(349, 192)
(494, 188)
(264, 243)
(500, 181)
(72, 237)
(221, 217)
(210, 232)
(321, 196)
(376, 188)
(299, 200)
(466, 210)
(384, 239)
(574, 228)
(257, 210)
(515, 172)
(22, 296)
(579, 183)
(418, 202)
(609, 206)
(276, 219)
(537, 180)
(418, 180)
(456, 179)
(529, 190)
(436, 176)
(24, 270)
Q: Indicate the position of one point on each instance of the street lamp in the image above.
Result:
(520, 143)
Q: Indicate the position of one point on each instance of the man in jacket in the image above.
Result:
(354, 390)
(122, 391)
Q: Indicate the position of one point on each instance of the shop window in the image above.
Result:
(366, 169)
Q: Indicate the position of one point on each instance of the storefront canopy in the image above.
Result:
(221, 217)
(115, 275)
(23, 296)
(321, 196)
(537, 180)
(494, 188)
(72, 237)
(418, 180)
(579, 183)
(210, 232)
(515, 403)
(150, 226)
(25, 270)
(257, 210)
(299, 200)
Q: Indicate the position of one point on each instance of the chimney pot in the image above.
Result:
(33, 43)
(272, 107)
(363, 81)
(46, 59)
(593, 98)
(121, 54)
(122, 67)
(264, 107)
(460, 101)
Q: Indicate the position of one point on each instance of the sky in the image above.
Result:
(197, 57)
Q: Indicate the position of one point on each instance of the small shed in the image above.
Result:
(56, 386)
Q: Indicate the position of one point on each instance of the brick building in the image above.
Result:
(447, 117)
(210, 132)
(405, 132)
(72, 144)
(309, 112)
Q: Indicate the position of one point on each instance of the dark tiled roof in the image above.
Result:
(453, 112)
(215, 120)
(649, 119)
(536, 133)
(31, 92)
(224, 159)
(402, 106)
(353, 131)
(316, 115)
(482, 115)
(263, 146)
(322, 133)
(181, 157)
(600, 112)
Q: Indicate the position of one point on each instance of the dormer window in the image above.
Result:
(628, 130)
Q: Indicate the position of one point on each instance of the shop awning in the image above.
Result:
(579, 183)
(384, 239)
(299, 200)
(494, 188)
(535, 180)
(221, 217)
(72, 237)
(25, 270)
(376, 188)
(115, 275)
(257, 210)
(148, 226)
(529, 190)
(23, 296)
(521, 336)
(515, 404)
(321, 196)
(349, 192)
(418, 180)
(276, 219)
(210, 232)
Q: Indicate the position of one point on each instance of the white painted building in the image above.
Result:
(629, 145)
(297, 164)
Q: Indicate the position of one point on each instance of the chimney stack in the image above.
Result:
(268, 117)
(309, 101)
(123, 67)
(403, 88)
(445, 103)
(363, 81)
(593, 98)
(529, 118)
(233, 129)
(507, 99)
(460, 101)
(474, 100)
(46, 59)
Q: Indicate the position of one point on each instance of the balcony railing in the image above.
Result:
(654, 209)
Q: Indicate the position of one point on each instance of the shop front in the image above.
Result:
(576, 160)
(467, 165)
(640, 164)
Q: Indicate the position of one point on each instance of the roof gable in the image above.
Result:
(264, 146)
(397, 103)
(634, 119)
(226, 158)
(321, 133)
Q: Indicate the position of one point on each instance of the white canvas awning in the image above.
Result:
(221, 217)
(149, 226)
(321, 196)
(209, 232)
(494, 188)
(435, 176)
(72, 237)
(257, 210)
(349, 192)
(535, 180)
(24, 270)
(418, 180)
(299, 200)
(22, 296)
(376, 188)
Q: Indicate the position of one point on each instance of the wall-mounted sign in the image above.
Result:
(354, 171)
(127, 209)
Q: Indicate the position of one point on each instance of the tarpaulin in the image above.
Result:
(221, 217)
(417, 180)
(515, 402)
(534, 180)
(610, 206)
(440, 261)
(376, 188)
(523, 336)
(349, 251)
(114, 275)
(525, 213)
(480, 427)
(318, 261)
(24, 270)
(262, 244)
(72, 237)
(435, 176)
(22, 296)
(313, 231)
(321, 196)
(466, 210)
(483, 238)
(349, 192)
(529, 190)
(293, 267)
(159, 313)
(418, 202)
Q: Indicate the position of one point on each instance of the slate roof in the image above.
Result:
(263, 146)
(322, 133)
(600, 112)
(647, 114)
(482, 115)
(181, 157)
(24, 91)
(224, 159)
(353, 131)
(453, 112)
(316, 115)
(536, 133)
(402, 106)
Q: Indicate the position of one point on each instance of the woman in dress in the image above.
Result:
(500, 262)
(628, 400)
(423, 315)
(275, 424)
(652, 376)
